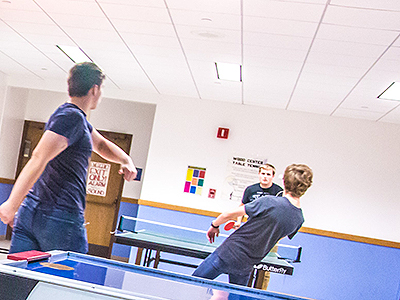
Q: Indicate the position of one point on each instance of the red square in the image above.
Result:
(223, 133)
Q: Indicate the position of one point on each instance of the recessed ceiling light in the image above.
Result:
(392, 92)
(75, 54)
(231, 72)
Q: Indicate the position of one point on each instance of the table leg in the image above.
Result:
(138, 256)
(251, 279)
(157, 259)
(258, 283)
(147, 258)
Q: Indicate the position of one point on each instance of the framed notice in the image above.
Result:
(98, 175)
(241, 172)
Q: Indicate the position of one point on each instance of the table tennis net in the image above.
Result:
(137, 225)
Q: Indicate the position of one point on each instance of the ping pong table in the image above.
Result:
(151, 236)
(68, 275)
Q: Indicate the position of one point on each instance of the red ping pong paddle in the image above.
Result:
(32, 255)
(229, 225)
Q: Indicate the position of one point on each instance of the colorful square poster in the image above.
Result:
(194, 180)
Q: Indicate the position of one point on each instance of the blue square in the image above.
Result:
(193, 190)
(139, 174)
(195, 173)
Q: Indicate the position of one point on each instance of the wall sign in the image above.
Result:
(211, 193)
(222, 133)
(242, 172)
(194, 180)
(98, 176)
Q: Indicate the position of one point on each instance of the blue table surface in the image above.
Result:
(144, 282)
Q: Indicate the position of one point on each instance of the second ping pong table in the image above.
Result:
(148, 235)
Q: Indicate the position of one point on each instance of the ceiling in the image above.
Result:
(330, 57)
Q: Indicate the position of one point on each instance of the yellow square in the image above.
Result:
(189, 175)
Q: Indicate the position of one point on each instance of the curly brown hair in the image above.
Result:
(297, 179)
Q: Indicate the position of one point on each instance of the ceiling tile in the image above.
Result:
(364, 101)
(348, 48)
(356, 34)
(226, 91)
(358, 114)
(143, 27)
(206, 19)
(276, 41)
(208, 34)
(279, 26)
(276, 98)
(392, 116)
(149, 3)
(197, 45)
(336, 59)
(21, 6)
(380, 5)
(289, 10)
(364, 18)
(137, 13)
(274, 53)
(74, 7)
(220, 6)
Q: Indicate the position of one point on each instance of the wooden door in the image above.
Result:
(31, 135)
(101, 210)
(103, 198)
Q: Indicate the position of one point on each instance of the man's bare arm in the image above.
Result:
(50, 145)
(111, 152)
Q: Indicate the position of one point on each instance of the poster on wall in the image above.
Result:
(98, 175)
(194, 180)
(241, 172)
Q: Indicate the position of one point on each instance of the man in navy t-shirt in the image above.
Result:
(264, 187)
(270, 219)
(266, 174)
(53, 182)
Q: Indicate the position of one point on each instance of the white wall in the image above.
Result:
(41, 104)
(3, 94)
(356, 163)
(133, 118)
(12, 123)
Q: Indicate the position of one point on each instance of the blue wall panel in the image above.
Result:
(338, 269)
(330, 268)
(127, 209)
(5, 190)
